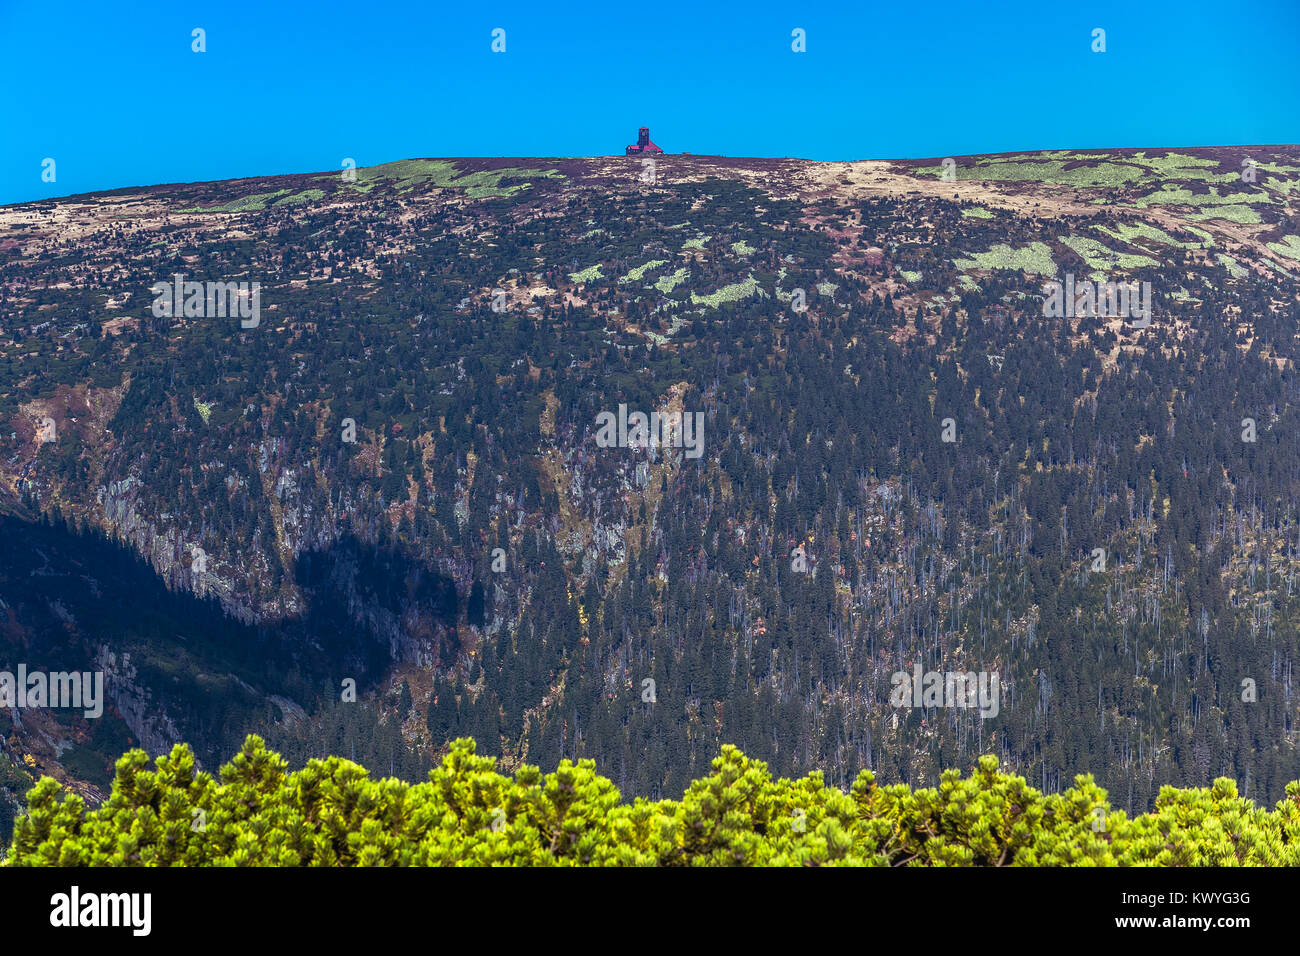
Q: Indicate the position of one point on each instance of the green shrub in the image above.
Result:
(331, 813)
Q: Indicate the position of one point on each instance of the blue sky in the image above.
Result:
(114, 94)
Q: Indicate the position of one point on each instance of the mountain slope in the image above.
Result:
(1104, 531)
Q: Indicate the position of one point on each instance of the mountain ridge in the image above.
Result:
(472, 317)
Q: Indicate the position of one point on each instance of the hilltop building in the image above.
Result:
(643, 146)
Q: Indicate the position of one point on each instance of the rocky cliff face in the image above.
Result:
(135, 702)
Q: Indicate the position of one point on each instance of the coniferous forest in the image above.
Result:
(384, 515)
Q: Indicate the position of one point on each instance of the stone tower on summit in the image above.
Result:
(643, 146)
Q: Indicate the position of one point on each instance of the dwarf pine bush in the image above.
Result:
(331, 813)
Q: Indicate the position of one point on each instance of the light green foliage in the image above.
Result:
(297, 199)
(408, 173)
(1284, 186)
(255, 202)
(1282, 168)
(405, 174)
(204, 409)
(696, 243)
(331, 813)
(1051, 171)
(1183, 166)
(729, 293)
(1235, 269)
(1066, 168)
(1067, 155)
(742, 248)
(668, 283)
(1130, 232)
(910, 275)
(1100, 257)
(1288, 248)
(1178, 196)
(1241, 214)
(589, 274)
(976, 212)
(637, 274)
(1034, 258)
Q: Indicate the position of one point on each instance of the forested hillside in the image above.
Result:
(411, 528)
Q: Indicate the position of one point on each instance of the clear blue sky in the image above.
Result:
(113, 93)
